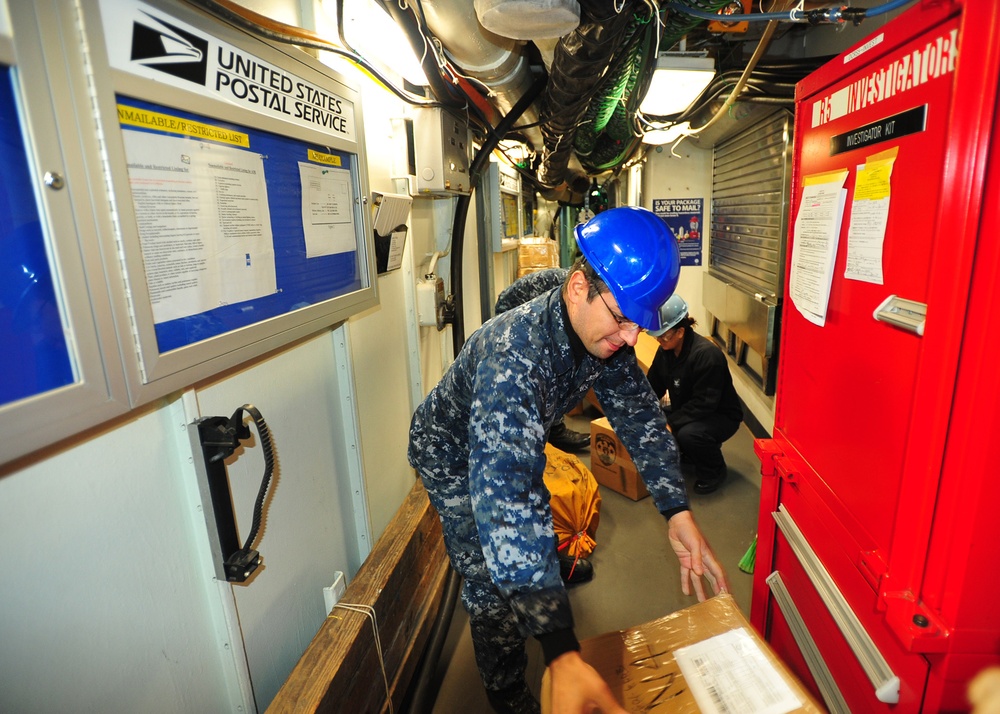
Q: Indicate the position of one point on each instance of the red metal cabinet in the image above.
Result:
(878, 549)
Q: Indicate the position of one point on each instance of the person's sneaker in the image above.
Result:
(575, 570)
(709, 484)
(565, 439)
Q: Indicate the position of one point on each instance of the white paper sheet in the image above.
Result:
(814, 243)
(869, 216)
(204, 223)
(396, 250)
(729, 674)
(327, 210)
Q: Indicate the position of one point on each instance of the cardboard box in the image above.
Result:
(704, 658)
(645, 350)
(611, 464)
(537, 252)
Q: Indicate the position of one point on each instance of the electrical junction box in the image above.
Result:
(442, 153)
(503, 204)
(733, 8)
(430, 302)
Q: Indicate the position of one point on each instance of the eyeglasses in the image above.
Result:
(624, 324)
(669, 334)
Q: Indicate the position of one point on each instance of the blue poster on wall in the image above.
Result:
(683, 217)
(35, 357)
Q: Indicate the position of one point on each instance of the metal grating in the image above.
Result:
(750, 184)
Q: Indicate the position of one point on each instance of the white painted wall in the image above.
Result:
(310, 528)
(106, 603)
(109, 600)
(687, 173)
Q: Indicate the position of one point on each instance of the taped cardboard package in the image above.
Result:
(704, 658)
(611, 464)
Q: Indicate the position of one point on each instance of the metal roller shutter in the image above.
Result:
(743, 285)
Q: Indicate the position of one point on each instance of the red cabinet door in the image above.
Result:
(873, 423)
(847, 402)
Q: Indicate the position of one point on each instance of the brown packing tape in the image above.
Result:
(639, 664)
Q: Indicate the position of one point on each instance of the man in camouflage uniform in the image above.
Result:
(520, 291)
(478, 443)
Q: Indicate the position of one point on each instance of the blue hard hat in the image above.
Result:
(671, 312)
(636, 254)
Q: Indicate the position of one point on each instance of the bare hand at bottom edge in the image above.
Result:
(577, 688)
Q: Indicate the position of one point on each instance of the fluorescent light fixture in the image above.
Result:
(677, 81)
(657, 137)
(369, 30)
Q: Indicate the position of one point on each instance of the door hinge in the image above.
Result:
(785, 469)
(766, 450)
(917, 627)
(872, 566)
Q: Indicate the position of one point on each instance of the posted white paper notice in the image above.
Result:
(327, 210)
(204, 223)
(814, 243)
(729, 673)
(869, 216)
(396, 250)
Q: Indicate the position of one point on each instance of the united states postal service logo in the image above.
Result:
(165, 47)
(168, 50)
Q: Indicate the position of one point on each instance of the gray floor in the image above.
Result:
(636, 575)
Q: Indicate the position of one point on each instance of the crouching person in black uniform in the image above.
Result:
(704, 409)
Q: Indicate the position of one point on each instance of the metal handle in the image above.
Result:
(908, 315)
(810, 652)
(869, 657)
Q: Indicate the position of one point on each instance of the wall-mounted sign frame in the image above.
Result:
(60, 364)
(505, 205)
(239, 180)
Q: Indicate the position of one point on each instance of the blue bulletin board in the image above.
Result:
(35, 357)
(191, 230)
(295, 275)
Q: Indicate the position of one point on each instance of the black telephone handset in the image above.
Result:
(220, 437)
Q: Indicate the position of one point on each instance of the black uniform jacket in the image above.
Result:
(697, 380)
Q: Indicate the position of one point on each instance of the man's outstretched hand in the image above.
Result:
(695, 555)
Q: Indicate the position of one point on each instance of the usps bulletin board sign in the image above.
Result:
(684, 218)
(240, 171)
(166, 49)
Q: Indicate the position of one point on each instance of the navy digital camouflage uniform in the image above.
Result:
(529, 287)
(478, 443)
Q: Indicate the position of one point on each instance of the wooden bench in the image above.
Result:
(403, 580)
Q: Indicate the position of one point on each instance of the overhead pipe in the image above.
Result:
(407, 22)
(578, 67)
(495, 61)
